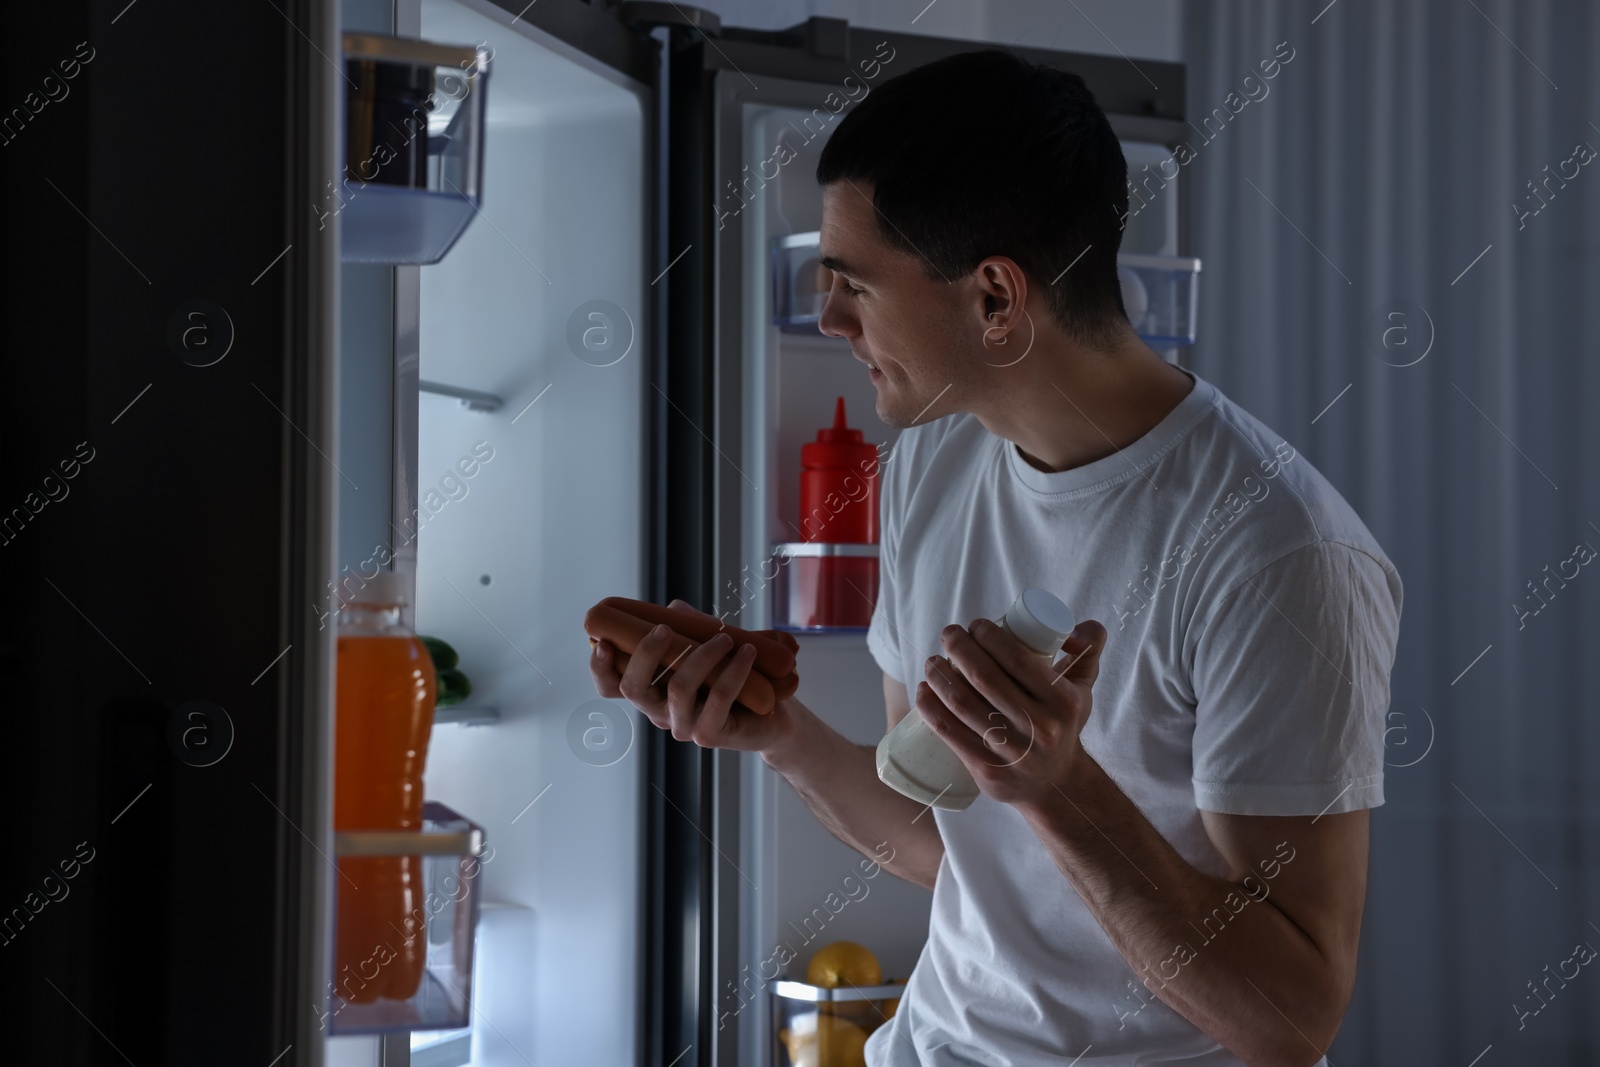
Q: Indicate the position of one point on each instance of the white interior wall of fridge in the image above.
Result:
(809, 887)
(553, 520)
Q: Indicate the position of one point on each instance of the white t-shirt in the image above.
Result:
(1253, 621)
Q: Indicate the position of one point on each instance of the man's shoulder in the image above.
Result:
(1263, 499)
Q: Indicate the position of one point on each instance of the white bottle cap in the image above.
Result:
(1040, 620)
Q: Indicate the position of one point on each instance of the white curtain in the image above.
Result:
(1380, 180)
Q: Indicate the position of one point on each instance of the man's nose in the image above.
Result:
(833, 322)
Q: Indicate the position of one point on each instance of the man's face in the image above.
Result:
(913, 328)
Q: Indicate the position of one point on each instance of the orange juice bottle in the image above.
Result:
(383, 715)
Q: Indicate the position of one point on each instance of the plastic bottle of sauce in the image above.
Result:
(384, 700)
(838, 506)
(914, 760)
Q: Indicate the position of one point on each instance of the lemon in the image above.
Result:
(843, 963)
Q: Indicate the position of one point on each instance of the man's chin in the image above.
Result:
(891, 416)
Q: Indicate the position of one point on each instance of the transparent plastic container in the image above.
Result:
(1161, 294)
(800, 283)
(824, 586)
(453, 852)
(814, 1026)
(413, 173)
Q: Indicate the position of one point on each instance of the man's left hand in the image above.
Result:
(1012, 718)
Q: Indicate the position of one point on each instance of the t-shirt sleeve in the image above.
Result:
(1291, 684)
(882, 630)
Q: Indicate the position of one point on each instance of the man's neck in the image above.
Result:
(1081, 406)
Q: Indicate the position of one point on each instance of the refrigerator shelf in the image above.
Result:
(1160, 295)
(466, 714)
(448, 847)
(790, 990)
(414, 120)
(824, 586)
(814, 1024)
(471, 399)
(800, 283)
(1158, 292)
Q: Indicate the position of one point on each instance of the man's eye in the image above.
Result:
(847, 287)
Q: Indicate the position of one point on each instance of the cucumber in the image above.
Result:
(444, 657)
(453, 687)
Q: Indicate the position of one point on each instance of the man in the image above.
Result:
(1168, 859)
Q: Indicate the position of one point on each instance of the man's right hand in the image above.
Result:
(674, 703)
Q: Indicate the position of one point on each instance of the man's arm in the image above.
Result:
(1269, 977)
(1263, 960)
(839, 782)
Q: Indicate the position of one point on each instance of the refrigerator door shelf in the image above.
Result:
(414, 119)
(803, 991)
(451, 848)
(1159, 292)
(800, 283)
(817, 1025)
(1160, 295)
(825, 586)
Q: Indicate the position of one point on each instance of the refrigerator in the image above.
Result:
(618, 342)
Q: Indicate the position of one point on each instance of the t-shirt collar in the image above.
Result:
(1123, 464)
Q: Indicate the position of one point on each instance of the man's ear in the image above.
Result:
(1001, 279)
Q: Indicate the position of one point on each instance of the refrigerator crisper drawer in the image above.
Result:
(439, 920)
(413, 148)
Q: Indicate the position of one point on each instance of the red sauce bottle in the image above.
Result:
(838, 506)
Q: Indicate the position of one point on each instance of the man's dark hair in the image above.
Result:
(983, 153)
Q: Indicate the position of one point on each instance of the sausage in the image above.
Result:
(631, 620)
(626, 631)
(756, 695)
(775, 655)
(782, 688)
(784, 637)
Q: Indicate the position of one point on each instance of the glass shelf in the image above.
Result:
(466, 714)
